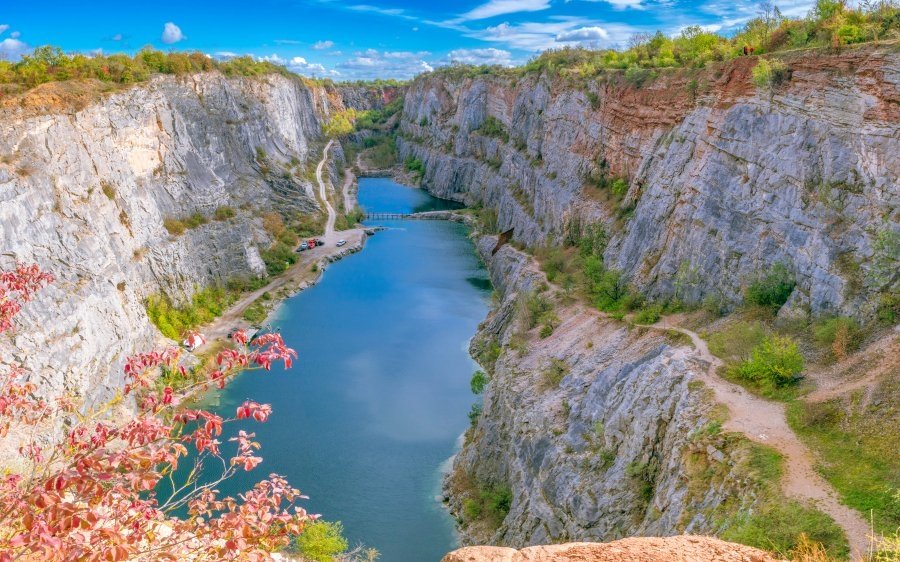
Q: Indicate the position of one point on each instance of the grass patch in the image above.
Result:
(256, 313)
(857, 445)
(489, 503)
(205, 305)
(553, 374)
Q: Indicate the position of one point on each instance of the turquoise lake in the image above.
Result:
(380, 393)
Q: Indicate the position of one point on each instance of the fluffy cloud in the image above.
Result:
(15, 34)
(495, 8)
(11, 48)
(301, 66)
(540, 36)
(323, 45)
(489, 56)
(171, 34)
(387, 64)
(593, 33)
(117, 37)
(3, 28)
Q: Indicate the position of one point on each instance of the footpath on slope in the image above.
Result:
(765, 422)
(298, 276)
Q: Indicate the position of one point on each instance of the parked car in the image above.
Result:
(303, 246)
(320, 242)
(341, 242)
(312, 243)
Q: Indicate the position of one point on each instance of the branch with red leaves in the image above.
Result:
(93, 496)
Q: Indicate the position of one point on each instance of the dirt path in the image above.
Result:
(876, 361)
(332, 216)
(764, 421)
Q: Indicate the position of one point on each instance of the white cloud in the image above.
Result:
(593, 33)
(301, 66)
(15, 34)
(12, 48)
(495, 8)
(489, 56)
(225, 54)
(287, 42)
(323, 45)
(117, 37)
(562, 32)
(390, 64)
(395, 12)
(3, 28)
(171, 34)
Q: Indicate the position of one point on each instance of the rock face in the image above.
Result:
(85, 193)
(608, 447)
(671, 549)
(723, 178)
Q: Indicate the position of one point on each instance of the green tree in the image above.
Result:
(321, 541)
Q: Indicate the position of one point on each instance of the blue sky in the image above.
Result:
(365, 39)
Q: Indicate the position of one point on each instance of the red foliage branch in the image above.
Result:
(94, 495)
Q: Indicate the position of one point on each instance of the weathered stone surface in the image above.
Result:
(84, 195)
(724, 179)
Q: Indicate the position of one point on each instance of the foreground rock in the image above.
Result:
(638, 549)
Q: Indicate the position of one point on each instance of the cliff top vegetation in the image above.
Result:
(831, 23)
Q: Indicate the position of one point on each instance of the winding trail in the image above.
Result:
(332, 216)
(765, 422)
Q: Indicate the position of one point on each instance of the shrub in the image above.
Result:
(546, 331)
(321, 541)
(107, 468)
(536, 308)
(771, 289)
(109, 190)
(478, 382)
(415, 165)
(279, 257)
(474, 414)
(205, 305)
(174, 226)
(768, 73)
(224, 213)
(737, 340)
(649, 314)
(841, 335)
(255, 313)
(493, 127)
(555, 371)
(774, 363)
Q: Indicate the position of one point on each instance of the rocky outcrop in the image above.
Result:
(596, 431)
(723, 178)
(85, 194)
(671, 549)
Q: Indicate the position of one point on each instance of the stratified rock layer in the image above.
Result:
(724, 178)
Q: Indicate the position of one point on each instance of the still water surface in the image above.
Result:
(380, 392)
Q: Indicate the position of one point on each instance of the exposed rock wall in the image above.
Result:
(85, 193)
(611, 451)
(724, 178)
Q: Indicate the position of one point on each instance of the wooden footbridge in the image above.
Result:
(427, 216)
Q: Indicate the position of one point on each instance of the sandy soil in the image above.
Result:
(684, 548)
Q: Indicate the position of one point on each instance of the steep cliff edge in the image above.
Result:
(723, 178)
(596, 432)
(84, 193)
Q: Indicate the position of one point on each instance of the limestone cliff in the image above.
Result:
(84, 193)
(723, 177)
(616, 443)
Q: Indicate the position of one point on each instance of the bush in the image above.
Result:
(224, 213)
(779, 526)
(649, 314)
(174, 226)
(774, 363)
(537, 308)
(493, 127)
(474, 414)
(555, 372)
(205, 306)
(321, 541)
(279, 257)
(478, 382)
(256, 313)
(841, 335)
(771, 289)
(546, 331)
(769, 73)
